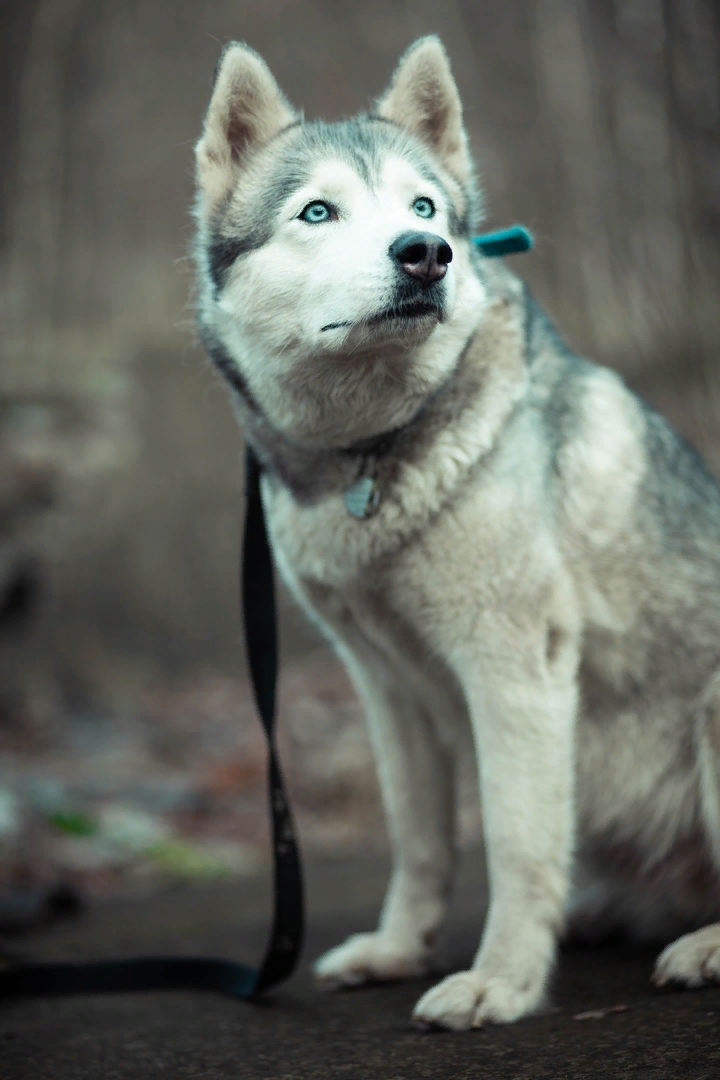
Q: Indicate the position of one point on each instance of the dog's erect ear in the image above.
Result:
(246, 109)
(423, 99)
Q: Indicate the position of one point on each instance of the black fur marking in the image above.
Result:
(351, 142)
(335, 325)
(224, 250)
(459, 224)
(222, 253)
(228, 369)
(281, 186)
(414, 310)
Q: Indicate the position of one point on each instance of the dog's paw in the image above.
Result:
(367, 958)
(691, 960)
(468, 999)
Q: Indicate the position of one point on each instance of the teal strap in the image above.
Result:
(505, 241)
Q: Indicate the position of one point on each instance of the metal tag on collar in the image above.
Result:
(505, 241)
(363, 497)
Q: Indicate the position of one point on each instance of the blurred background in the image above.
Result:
(129, 752)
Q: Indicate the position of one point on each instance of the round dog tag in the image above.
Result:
(363, 497)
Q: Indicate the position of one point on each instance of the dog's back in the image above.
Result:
(637, 514)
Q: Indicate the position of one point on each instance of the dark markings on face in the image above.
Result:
(223, 252)
(459, 223)
(228, 369)
(363, 142)
(335, 325)
(226, 245)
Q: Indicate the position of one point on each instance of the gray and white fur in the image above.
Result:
(538, 579)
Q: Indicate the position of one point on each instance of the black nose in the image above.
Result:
(422, 255)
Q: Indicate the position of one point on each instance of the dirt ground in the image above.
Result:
(605, 1019)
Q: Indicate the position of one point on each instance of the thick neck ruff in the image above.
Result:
(362, 498)
(360, 471)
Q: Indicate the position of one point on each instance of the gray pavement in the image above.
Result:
(299, 1034)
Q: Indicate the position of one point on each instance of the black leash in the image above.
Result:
(286, 937)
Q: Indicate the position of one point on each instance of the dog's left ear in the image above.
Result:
(423, 98)
(246, 110)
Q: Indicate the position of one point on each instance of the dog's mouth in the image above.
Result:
(406, 312)
(401, 312)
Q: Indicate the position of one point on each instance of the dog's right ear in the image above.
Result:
(423, 98)
(246, 109)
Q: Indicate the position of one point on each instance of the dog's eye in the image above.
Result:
(315, 212)
(424, 207)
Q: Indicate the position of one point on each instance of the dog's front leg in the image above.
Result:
(416, 780)
(523, 718)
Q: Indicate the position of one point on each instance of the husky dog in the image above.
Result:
(513, 556)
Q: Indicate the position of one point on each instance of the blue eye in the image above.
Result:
(424, 207)
(315, 212)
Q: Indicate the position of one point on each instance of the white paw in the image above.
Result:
(692, 960)
(367, 958)
(468, 999)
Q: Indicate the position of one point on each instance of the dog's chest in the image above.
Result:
(322, 542)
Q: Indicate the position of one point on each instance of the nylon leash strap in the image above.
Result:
(286, 936)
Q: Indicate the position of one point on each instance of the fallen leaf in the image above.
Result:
(600, 1014)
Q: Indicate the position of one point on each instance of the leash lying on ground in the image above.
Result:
(286, 936)
(161, 973)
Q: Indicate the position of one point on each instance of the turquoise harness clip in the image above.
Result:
(505, 241)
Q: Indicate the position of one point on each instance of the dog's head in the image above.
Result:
(335, 259)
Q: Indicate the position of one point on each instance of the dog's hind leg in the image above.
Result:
(416, 780)
(592, 911)
(691, 960)
(695, 958)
